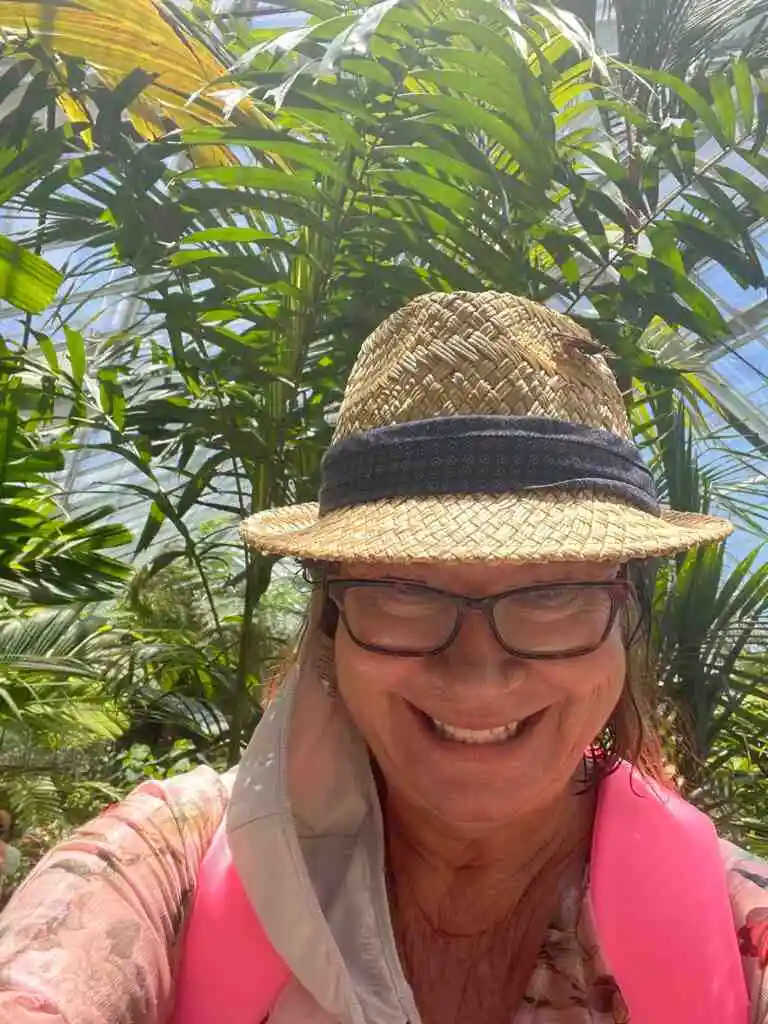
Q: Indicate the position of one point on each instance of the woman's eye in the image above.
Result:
(551, 600)
(548, 596)
(401, 602)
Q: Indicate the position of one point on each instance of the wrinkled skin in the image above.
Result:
(482, 840)
(475, 684)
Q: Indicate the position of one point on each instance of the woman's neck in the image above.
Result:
(465, 881)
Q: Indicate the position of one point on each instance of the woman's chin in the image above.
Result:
(478, 784)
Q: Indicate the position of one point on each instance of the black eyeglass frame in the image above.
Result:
(620, 590)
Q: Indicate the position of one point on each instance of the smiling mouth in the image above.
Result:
(497, 735)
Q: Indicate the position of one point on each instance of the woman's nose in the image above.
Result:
(477, 657)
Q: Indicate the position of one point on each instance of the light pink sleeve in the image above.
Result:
(748, 886)
(91, 936)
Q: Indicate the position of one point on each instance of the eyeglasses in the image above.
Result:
(546, 620)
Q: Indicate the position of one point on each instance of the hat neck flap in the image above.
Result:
(306, 835)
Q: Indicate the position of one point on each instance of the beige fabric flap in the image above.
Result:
(305, 831)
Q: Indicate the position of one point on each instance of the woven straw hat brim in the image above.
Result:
(548, 526)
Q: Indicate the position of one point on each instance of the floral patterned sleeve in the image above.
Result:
(748, 886)
(90, 936)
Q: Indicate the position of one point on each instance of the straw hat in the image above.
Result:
(481, 427)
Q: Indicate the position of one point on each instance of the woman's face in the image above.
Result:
(553, 708)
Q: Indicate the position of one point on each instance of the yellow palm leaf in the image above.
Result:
(76, 112)
(117, 36)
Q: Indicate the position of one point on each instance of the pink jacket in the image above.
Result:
(659, 897)
(290, 909)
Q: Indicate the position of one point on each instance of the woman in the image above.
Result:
(435, 820)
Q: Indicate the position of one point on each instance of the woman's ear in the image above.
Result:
(325, 660)
(325, 664)
(329, 619)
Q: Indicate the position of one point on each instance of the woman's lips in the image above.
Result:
(498, 734)
(493, 735)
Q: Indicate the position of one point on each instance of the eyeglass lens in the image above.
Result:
(408, 618)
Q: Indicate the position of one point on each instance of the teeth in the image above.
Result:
(497, 735)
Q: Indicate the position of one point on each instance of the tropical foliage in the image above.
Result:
(710, 645)
(254, 195)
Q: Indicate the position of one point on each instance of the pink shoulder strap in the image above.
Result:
(661, 906)
(229, 970)
(658, 894)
